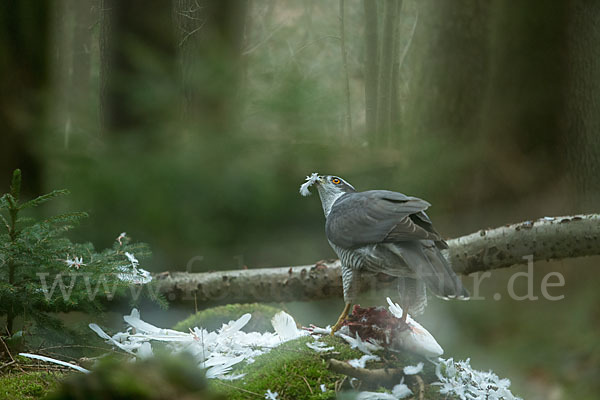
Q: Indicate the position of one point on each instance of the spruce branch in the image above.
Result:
(15, 185)
(66, 217)
(35, 257)
(44, 198)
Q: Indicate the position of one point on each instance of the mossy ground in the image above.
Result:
(295, 371)
(29, 385)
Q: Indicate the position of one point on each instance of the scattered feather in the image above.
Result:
(323, 388)
(319, 346)
(217, 351)
(103, 335)
(230, 329)
(55, 361)
(361, 362)
(375, 396)
(145, 351)
(137, 276)
(285, 326)
(320, 331)
(401, 391)
(221, 366)
(310, 180)
(413, 369)
(231, 377)
(134, 261)
(366, 347)
(458, 378)
(271, 395)
(77, 262)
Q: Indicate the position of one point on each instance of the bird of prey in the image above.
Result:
(380, 231)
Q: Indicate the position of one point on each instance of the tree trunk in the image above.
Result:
(371, 68)
(582, 120)
(72, 93)
(84, 14)
(24, 39)
(348, 116)
(210, 39)
(386, 69)
(138, 57)
(448, 69)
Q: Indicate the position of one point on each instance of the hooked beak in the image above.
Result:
(321, 180)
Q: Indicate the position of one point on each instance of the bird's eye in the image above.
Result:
(337, 181)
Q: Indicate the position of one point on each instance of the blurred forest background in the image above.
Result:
(190, 124)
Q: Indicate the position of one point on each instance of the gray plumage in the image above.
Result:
(379, 231)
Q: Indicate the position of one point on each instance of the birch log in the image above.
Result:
(549, 238)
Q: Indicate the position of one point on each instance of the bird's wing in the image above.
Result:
(378, 216)
(422, 219)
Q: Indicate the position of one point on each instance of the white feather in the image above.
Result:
(357, 343)
(310, 180)
(271, 395)
(401, 391)
(413, 369)
(139, 325)
(285, 326)
(375, 396)
(319, 346)
(234, 326)
(361, 362)
(103, 335)
(145, 351)
(55, 361)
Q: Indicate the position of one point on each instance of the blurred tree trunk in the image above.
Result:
(582, 120)
(104, 47)
(489, 78)
(348, 116)
(210, 40)
(449, 67)
(523, 96)
(371, 67)
(395, 86)
(72, 39)
(85, 15)
(386, 68)
(24, 40)
(138, 67)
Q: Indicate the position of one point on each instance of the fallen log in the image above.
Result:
(549, 238)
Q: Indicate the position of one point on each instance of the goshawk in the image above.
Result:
(379, 231)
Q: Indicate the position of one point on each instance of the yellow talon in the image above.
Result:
(341, 319)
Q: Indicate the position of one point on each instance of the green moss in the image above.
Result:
(213, 318)
(297, 372)
(292, 369)
(32, 385)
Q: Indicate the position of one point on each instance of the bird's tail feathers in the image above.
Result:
(429, 264)
(412, 295)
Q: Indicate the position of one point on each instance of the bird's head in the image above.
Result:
(330, 189)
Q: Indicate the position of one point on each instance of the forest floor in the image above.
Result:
(29, 379)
